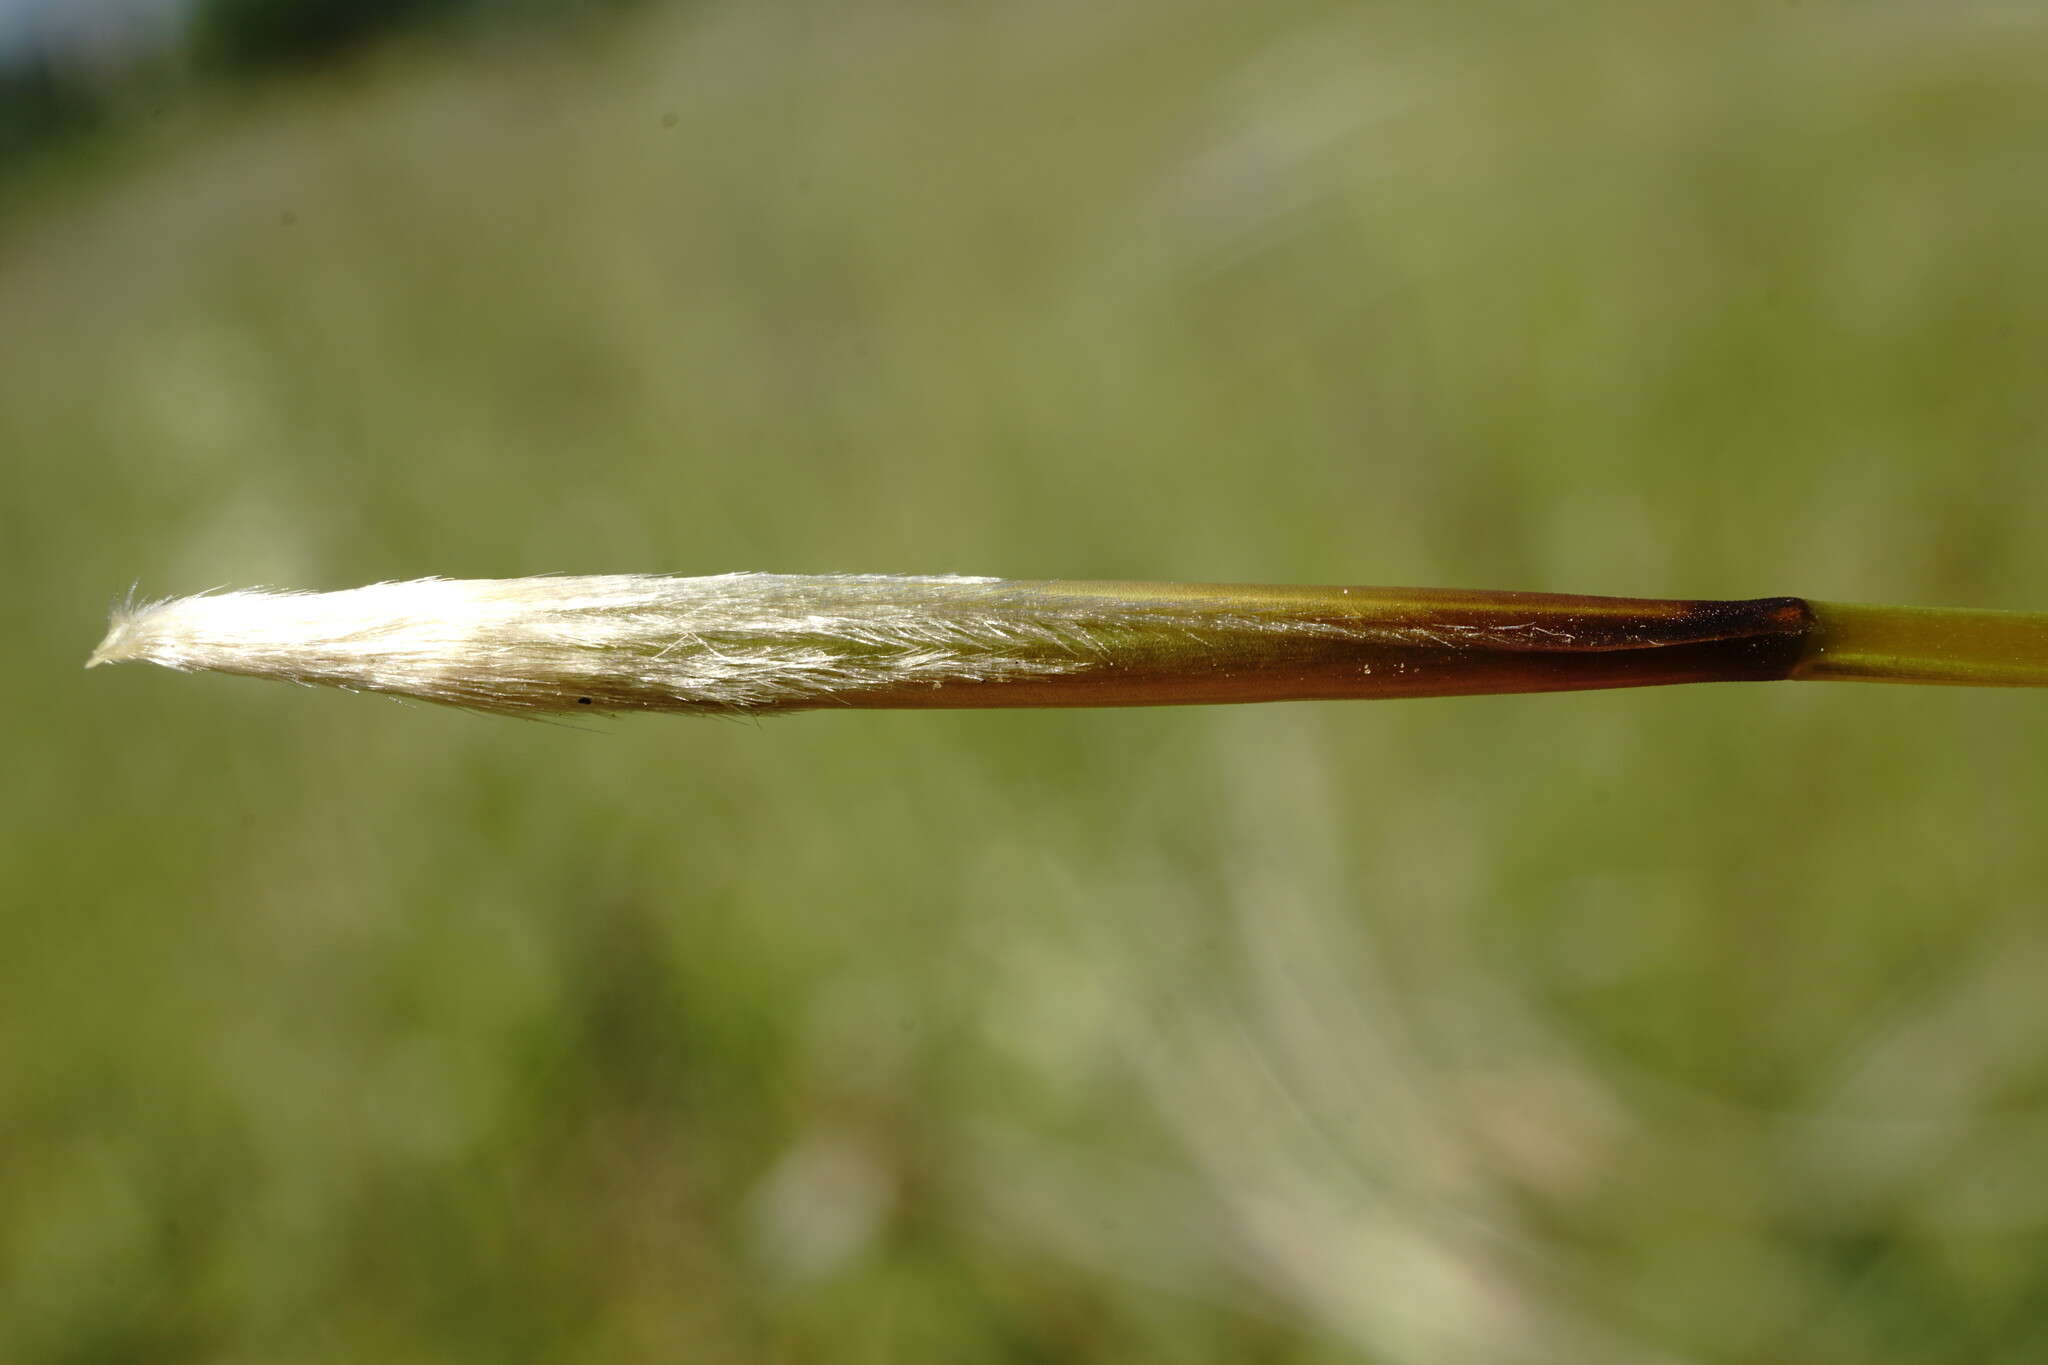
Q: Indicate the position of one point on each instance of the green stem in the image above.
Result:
(1857, 642)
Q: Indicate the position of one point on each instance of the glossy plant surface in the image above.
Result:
(750, 644)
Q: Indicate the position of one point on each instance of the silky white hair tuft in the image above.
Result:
(730, 643)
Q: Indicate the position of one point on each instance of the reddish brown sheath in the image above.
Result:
(1180, 644)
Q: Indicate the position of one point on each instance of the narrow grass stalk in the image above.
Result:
(753, 643)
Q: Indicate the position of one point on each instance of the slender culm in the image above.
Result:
(753, 643)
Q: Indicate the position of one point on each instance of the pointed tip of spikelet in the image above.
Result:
(127, 632)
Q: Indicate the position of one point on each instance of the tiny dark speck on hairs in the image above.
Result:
(583, 701)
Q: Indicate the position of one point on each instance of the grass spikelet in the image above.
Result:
(750, 642)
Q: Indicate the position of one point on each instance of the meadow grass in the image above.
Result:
(1692, 1024)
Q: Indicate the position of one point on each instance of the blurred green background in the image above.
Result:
(1702, 1024)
